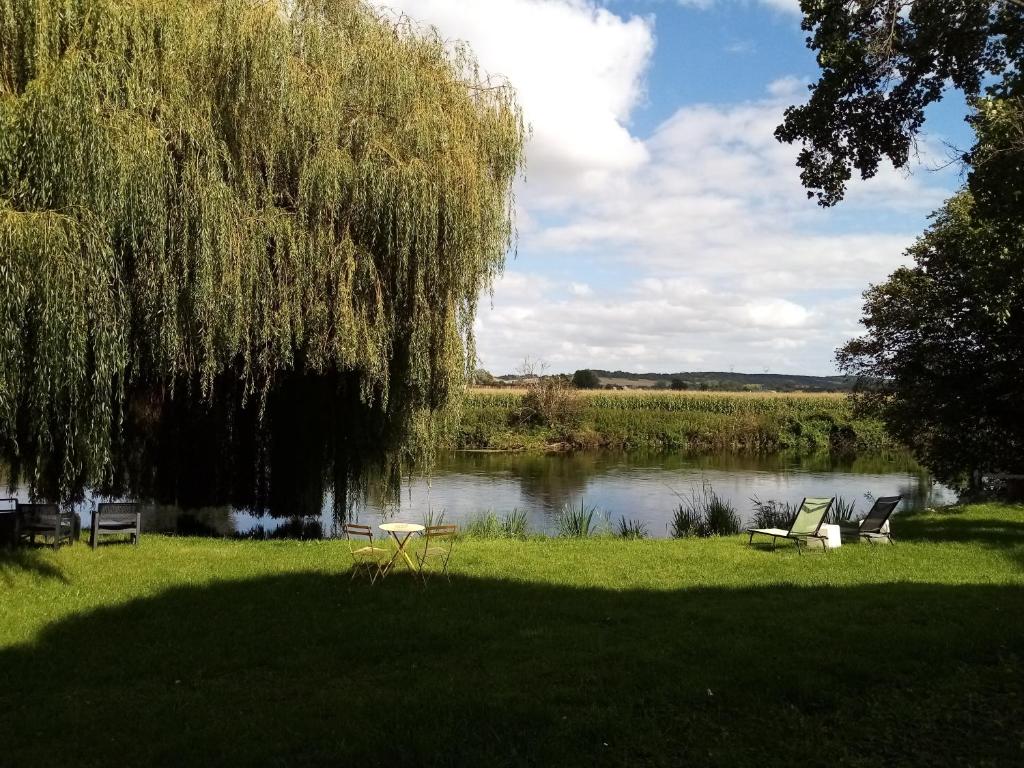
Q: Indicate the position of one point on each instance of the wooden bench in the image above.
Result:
(116, 518)
(46, 520)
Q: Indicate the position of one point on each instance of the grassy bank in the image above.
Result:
(705, 421)
(543, 652)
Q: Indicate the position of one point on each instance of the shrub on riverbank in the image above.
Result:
(761, 422)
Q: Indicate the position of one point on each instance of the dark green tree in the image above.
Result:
(944, 347)
(679, 384)
(586, 379)
(945, 338)
(882, 63)
(241, 243)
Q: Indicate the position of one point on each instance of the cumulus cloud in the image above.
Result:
(578, 69)
(717, 259)
(580, 289)
(665, 325)
(693, 246)
(785, 6)
(721, 197)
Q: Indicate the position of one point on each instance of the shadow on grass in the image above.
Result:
(28, 559)
(307, 669)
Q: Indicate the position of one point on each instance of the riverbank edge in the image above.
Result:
(727, 422)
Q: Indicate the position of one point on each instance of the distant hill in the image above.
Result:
(721, 381)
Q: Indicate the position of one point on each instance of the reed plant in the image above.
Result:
(489, 525)
(433, 517)
(632, 529)
(772, 513)
(704, 513)
(842, 511)
(576, 522)
(515, 524)
(484, 526)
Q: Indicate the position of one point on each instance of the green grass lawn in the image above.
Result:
(540, 653)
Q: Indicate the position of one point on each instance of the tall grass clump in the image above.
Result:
(433, 517)
(576, 522)
(484, 526)
(686, 522)
(704, 513)
(772, 513)
(842, 511)
(514, 525)
(632, 529)
(489, 526)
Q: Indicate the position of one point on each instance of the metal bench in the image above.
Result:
(111, 518)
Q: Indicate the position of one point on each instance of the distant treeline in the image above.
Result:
(718, 381)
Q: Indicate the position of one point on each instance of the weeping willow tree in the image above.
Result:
(241, 243)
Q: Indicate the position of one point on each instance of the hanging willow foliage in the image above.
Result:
(240, 242)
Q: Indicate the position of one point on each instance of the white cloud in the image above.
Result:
(580, 289)
(692, 247)
(578, 69)
(741, 47)
(785, 6)
(776, 313)
(662, 325)
(787, 87)
(715, 258)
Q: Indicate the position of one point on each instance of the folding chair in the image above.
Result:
(439, 541)
(805, 526)
(368, 558)
(874, 527)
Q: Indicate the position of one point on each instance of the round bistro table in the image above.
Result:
(395, 529)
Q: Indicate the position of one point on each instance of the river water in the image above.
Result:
(636, 485)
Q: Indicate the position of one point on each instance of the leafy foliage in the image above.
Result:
(549, 401)
(242, 242)
(882, 63)
(945, 343)
(586, 379)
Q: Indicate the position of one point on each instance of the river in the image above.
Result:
(636, 485)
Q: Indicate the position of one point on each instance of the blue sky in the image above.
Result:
(661, 226)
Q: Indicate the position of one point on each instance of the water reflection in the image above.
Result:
(643, 486)
(636, 485)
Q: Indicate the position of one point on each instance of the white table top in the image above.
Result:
(402, 527)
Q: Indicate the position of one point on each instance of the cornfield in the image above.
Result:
(694, 402)
(669, 419)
